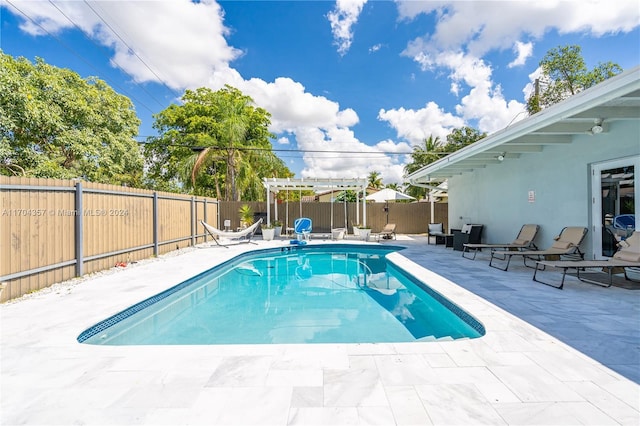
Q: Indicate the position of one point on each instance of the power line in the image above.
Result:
(79, 56)
(101, 49)
(131, 49)
(296, 151)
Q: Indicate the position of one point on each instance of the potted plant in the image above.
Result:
(364, 232)
(278, 227)
(246, 215)
(268, 231)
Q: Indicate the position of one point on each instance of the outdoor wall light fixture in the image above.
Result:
(500, 157)
(597, 128)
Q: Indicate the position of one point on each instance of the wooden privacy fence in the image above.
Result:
(410, 218)
(53, 230)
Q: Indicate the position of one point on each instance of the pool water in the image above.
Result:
(320, 294)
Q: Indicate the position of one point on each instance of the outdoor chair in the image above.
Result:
(388, 232)
(435, 233)
(566, 244)
(628, 256)
(523, 241)
(302, 227)
(244, 235)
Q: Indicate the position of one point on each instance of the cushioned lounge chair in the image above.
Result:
(242, 236)
(388, 232)
(435, 233)
(524, 241)
(628, 256)
(566, 244)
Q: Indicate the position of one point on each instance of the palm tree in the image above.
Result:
(374, 180)
(393, 186)
(422, 156)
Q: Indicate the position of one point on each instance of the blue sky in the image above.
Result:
(363, 80)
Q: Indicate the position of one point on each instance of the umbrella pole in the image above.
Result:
(386, 209)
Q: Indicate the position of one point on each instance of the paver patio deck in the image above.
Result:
(549, 357)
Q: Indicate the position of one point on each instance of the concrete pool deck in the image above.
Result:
(550, 356)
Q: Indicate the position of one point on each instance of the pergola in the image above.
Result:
(275, 185)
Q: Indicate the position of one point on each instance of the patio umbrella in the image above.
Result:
(385, 195)
(388, 194)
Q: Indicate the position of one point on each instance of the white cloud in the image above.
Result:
(336, 164)
(342, 19)
(176, 42)
(484, 26)
(283, 141)
(292, 107)
(485, 102)
(523, 52)
(179, 44)
(417, 125)
(375, 48)
(466, 30)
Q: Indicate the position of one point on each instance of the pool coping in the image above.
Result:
(515, 374)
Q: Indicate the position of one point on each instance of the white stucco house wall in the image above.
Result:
(550, 168)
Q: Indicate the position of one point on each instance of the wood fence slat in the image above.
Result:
(123, 221)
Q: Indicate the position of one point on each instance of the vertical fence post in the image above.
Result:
(193, 221)
(79, 233)
(155, 224)
(205, 218)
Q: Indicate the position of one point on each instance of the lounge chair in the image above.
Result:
(302, 226)
(436, 231)
(624, 221)
(524, 241)
(566, 244)
(243, 235)
(388, 232)
(628, 256)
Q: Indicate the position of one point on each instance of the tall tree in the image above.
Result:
(424, 154)
(421, 156)
(565, 73)
(374, 180)
(434, 149)
(214, 143)
(55, 124)
(461, 137)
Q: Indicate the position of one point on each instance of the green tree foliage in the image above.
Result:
(564, 73)
(424, 154)
(349, 196)
(213, 143)
(461, 137)
(434, 149)
(55, 124)
(374, 180)
(421, 156)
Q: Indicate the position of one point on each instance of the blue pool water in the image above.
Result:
(308, 294)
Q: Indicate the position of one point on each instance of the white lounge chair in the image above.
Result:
(628, 256)
(242, 236)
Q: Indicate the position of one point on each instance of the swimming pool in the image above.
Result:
(329, 293)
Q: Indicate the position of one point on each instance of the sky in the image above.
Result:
(352, 85)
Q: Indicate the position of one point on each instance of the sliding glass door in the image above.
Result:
(615, 202)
